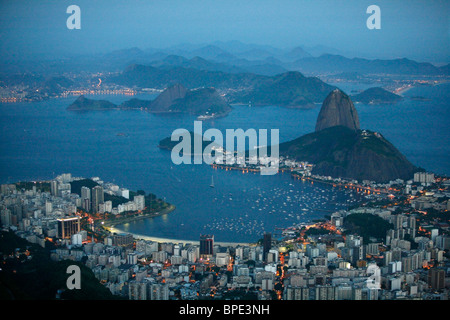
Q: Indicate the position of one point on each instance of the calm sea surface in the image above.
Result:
(41, 140)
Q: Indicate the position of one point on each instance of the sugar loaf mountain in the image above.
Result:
(339, 148)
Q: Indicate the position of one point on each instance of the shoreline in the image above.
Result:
(183, 241)
(113, 229)
(401, 91)
(113, 223)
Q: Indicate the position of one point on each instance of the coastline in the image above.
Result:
(402, 91)
(113, 223)
(183, 241)
(111, 226)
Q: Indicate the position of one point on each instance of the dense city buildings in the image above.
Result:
(267, 245)
(391, 247)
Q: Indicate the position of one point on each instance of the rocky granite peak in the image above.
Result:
(337, 110)
(168, 97)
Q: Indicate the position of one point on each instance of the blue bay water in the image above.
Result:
(41, 140)
(419, 129)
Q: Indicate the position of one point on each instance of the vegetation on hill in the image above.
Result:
(341, 152)
(152, 202)
(76, 185)
(28, 185)
(82, 103)
(367, 226)
(290, 89)
(202, 101)
(28, 273)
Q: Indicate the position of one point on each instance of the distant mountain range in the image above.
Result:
(290, 89)
(242, 84)
(226, 56)
(245, 73)
(331, 64)
(270, 61)
(263, 67)
(145, 76)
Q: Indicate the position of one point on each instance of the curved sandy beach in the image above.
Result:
(184, 242)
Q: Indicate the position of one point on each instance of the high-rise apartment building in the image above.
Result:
(436, 278)
(54, 188)
(68, 227)
(267, 245)
(97, 197)
(139, 201)
(206, 245)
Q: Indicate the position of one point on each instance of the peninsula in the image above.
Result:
(339, 148)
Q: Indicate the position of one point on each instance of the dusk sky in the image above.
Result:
(414, 29)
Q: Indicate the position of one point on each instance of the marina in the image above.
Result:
(289, 205)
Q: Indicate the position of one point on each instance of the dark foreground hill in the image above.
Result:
(28, 273)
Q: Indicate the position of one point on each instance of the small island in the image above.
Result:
(419, 98)
(168, 144)
(84, 104)
(206, 103)
(377, 95)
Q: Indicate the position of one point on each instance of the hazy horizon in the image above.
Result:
(417, 30)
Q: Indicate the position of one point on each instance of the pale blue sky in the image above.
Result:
(409, 28)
